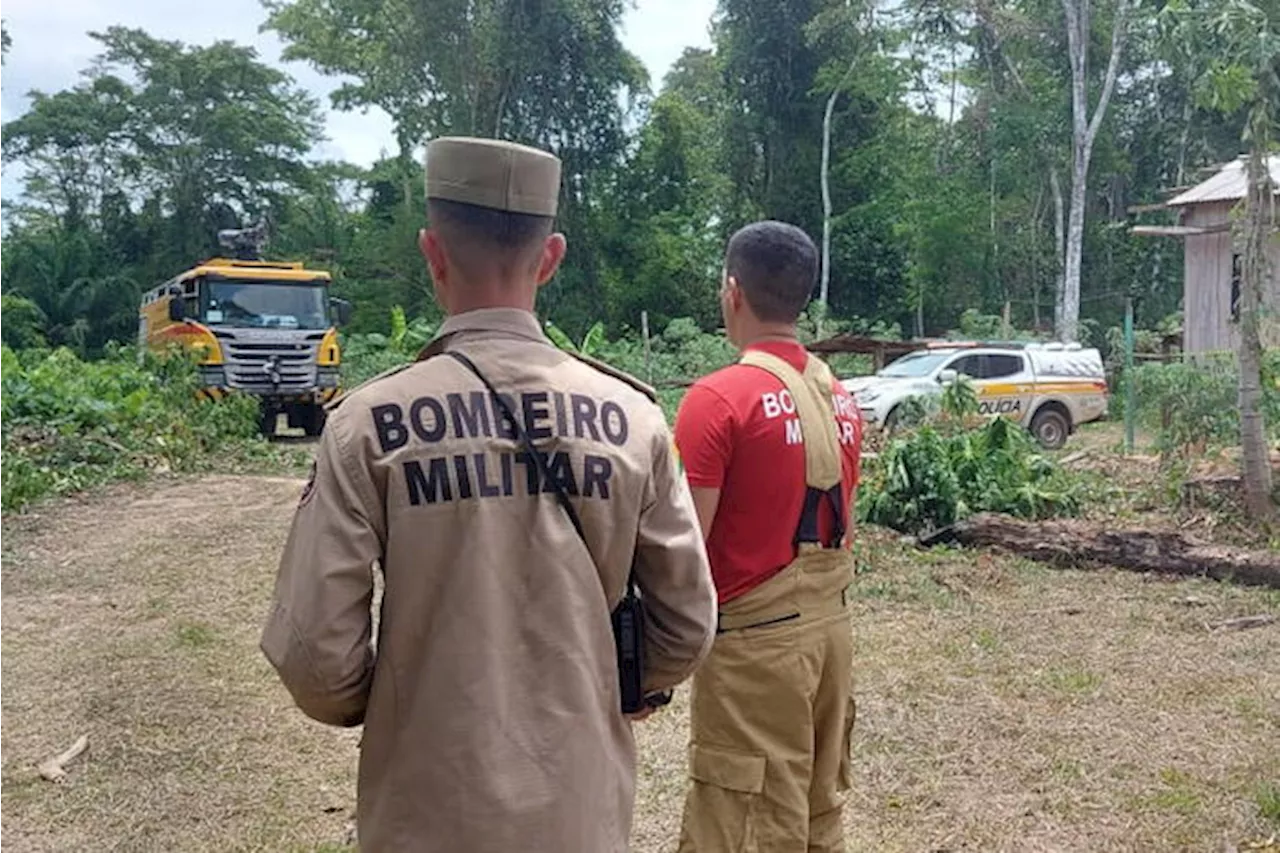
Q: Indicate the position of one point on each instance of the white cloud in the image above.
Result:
(51, 47)
(658, 31)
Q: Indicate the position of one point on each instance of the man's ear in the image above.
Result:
(734, 292)
(553, 249)
(437, 263)
(433, 253)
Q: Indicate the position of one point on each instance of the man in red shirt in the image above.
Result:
(770, 447)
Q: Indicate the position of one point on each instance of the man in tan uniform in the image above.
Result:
(770, 447)
(491, 710)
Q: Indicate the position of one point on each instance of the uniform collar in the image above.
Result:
(508, 322)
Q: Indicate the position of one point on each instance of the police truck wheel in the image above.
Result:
(1050, 428)
(891, 420)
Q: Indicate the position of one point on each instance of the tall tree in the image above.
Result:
(665, 206)
(130, 173)
(1239, 44)
(774, 127)
(479, 74)
(1084, 131)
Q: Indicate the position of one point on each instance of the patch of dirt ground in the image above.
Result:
(1002, 705)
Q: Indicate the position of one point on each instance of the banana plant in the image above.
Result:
(591, 341)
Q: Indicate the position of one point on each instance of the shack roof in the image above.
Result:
(1228, 184)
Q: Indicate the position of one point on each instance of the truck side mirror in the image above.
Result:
(342, 310)
(947, 377)
(177, 311)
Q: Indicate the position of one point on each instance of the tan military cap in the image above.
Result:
(493, 173)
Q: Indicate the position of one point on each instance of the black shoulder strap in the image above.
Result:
(539, 458)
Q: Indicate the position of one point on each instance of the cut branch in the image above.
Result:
(1242, 623)
(54, 769)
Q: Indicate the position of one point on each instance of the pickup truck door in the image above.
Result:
(966, 365)
(1006, 385)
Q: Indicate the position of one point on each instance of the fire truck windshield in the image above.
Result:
(263, 304)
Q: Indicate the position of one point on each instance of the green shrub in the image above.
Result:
(70, 424)
(366, 355)
(1192, 405)
(24, 323)
(929, 479)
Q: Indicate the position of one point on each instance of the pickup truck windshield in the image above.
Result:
(262, 304)
(915, 365)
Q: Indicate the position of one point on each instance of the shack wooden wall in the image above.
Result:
(1206, 315)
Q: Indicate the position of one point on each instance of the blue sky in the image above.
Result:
(51, 47)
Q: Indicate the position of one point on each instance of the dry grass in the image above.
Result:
(1002, 705)
(134, 617)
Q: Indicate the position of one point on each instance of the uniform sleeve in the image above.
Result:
(318, 633)
(704, 437)
(673, 575)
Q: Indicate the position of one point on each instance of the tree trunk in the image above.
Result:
(1068, 325)
(1080, 545)
(1254, 273)
(1084, 130)
(1059, 246)
(824, 288)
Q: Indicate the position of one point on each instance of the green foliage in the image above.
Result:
(927, 479)
(130, 173)
(365, 355)
(959, 399)
(24, 323)
(1267, 797)
(942, 206)
(1187, 405)
(70, 424)
(591, 341)
(1194, 405)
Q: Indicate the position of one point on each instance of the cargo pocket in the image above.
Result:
(846, 750)
(724, 801)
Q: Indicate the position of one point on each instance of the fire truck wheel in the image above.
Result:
(268, 417)
(313, 420)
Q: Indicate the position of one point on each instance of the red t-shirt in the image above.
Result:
(732, 434)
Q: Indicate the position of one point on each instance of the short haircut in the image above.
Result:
(467, 226)
(776, 265)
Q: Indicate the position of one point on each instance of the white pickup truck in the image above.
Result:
(1048, 388)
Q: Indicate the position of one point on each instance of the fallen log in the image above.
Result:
(1077, 544)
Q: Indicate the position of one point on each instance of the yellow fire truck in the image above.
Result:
(259, 327)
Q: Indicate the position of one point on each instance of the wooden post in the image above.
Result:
(1129, 413)
(1006, 327)
(644, 330)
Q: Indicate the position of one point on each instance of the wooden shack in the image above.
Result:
(1211, 260)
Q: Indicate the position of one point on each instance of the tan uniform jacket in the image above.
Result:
(491, 709)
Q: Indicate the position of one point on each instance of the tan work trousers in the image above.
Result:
(772, 714)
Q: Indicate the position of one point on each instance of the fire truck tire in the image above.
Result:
(312, 418)
(268, 418)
